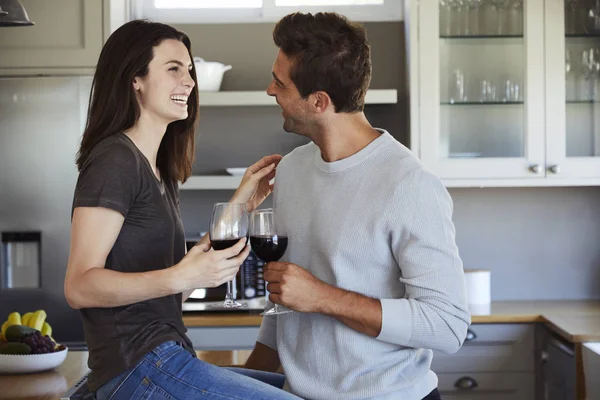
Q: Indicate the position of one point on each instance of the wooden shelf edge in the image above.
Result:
(261, 98)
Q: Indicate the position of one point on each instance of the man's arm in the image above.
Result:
(434, 312)
(295, 287)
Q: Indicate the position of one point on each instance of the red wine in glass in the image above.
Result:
(269, 242)
(228, 224)
(269, 248)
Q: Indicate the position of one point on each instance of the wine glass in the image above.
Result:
(269, 242)
(228, 224)
(500, 7)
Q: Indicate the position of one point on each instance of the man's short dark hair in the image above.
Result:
(329, 53)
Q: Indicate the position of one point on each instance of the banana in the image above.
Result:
(46, 329)
(37, 320)
(14, 319)
(4, 326)
(26, 318)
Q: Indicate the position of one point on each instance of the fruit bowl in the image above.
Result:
(20, 364)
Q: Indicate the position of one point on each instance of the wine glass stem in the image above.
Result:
(229, 294)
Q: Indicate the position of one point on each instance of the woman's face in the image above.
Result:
(163, 93)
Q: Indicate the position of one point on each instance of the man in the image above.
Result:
(372, 270)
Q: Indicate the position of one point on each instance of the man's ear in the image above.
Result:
(321, 101)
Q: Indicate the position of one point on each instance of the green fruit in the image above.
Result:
(15, 333)
(15, 348)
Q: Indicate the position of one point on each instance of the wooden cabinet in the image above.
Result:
(66, 39)
(505, 93)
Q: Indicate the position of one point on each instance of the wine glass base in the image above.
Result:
(229, 303)
(277, 311)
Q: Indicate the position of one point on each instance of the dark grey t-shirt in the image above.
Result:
(119, 177)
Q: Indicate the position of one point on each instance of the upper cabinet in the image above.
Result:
(66, 39)
(504, 92)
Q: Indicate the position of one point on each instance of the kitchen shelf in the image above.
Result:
(583, 102)
(211, 182)
(481, 37)
(583, 35)
(260, 98)
(479, 103)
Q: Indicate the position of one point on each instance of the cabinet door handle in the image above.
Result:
(544, 357)
(470, 335)
(536, 168)
(555, 169)
(466, 383)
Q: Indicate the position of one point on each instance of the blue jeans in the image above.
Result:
(169, 372)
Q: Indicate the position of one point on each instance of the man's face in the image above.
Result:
(295, 111)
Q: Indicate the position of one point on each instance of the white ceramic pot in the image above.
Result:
(209, 74)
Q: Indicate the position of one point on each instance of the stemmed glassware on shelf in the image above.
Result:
(516, 17)
(590, 67)
(573, 16)
(500, 8)
(472, 15)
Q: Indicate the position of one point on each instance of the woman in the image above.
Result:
(128, 272)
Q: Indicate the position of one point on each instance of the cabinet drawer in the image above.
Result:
(488, 386)
(491, 348)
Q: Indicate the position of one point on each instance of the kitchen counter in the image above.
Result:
(50, 385)
(575, 320)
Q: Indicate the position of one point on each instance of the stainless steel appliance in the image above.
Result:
(21, 263)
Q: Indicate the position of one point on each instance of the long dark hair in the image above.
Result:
(113, 104)
(329, 53)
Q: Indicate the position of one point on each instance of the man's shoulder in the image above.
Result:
(299, 155)
(403, 167)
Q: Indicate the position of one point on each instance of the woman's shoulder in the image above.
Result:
(117, 150)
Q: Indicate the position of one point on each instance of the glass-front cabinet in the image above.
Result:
(505, 91)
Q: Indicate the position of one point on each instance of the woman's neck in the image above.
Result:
(147, 134)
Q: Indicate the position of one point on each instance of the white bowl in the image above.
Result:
(19, 364)
(236, 171)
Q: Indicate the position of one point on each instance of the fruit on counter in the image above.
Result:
(14, 318)
(16, 333)
(26, 318)
(31, 329)
(37, 320)
(46, 329)
(36, 342)
(39, 344)
(15, 348)
(4, 326)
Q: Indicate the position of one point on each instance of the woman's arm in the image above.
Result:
(88, 284)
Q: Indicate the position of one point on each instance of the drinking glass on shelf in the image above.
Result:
(500, 7)
(457, 87)
(269, 242)
(573, 14)
(445, 17)
(228, 224)
(488, 92)
(511, 91)
(516, 17)
(472, 13)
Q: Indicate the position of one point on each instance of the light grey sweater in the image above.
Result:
(379, 224)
